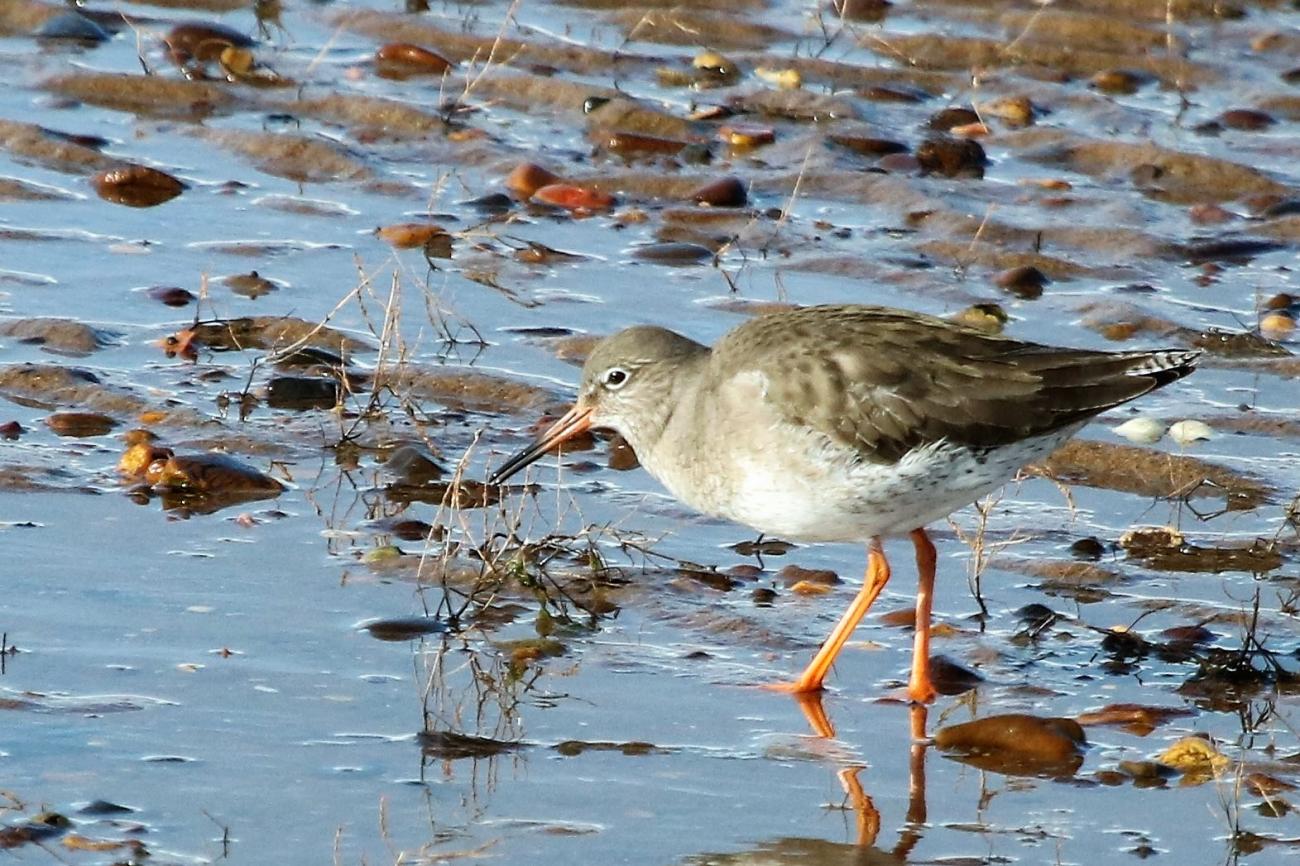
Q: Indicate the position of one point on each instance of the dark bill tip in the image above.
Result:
(574, 422)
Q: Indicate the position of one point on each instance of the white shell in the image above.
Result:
(1187, 432)
(1142, 430)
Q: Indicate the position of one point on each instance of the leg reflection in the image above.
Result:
(862, 805)
(916, 812)
(868, 816)
(814, 711)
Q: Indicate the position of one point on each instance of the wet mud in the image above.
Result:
(281, 283)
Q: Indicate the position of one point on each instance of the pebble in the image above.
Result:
(793, 575)
(894, 94)
(1142, 430)
(1025, 281)
(715, 64)
(80, 424)
(782, 79)
(1189, 431)
(952, 157)
(73, 27)
(1277, 326)
(302, 392)
(528, 177)
(1013, 110)
(945, 119)
(1246, 119)
(1209, 213)
(409, 236)
(950, 678)
(136, 186)
(403, 58)
(631, 144)
(1017, 742)
(747, 135)
(989, 318)
(203, 42)
(172, 296)
(574, 198)
(676, 253)
(250, 285)
(866, 11)
(970, 130)
(868, 145)
(1036, 615)
(723, 192)
(1090, 548)
(1118, 82)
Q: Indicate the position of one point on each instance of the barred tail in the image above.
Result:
(1164, 365)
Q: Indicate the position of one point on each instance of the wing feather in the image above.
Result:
(884, 381)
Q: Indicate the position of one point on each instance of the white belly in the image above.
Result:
(813, 495)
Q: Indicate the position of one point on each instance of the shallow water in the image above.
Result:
(210, 669)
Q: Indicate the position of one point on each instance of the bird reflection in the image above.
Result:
(857, 799)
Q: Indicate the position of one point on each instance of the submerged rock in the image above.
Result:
(1017, 744)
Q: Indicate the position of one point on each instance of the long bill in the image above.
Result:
(576, 421)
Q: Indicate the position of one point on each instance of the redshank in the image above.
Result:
(846, 423)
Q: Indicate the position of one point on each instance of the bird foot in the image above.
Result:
(797, 687)
(809, 700)
(913, 694)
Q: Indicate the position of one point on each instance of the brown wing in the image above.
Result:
(886, 381)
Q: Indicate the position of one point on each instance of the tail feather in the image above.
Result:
(1077, 384)
(1165, 365)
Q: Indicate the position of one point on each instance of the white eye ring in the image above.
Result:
(615, 378)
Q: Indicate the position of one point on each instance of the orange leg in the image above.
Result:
(920, 689)
(876, 578)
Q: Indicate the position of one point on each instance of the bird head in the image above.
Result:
(628, 385)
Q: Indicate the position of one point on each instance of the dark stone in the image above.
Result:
(952, 157)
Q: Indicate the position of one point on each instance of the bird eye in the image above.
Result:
(615, 377)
